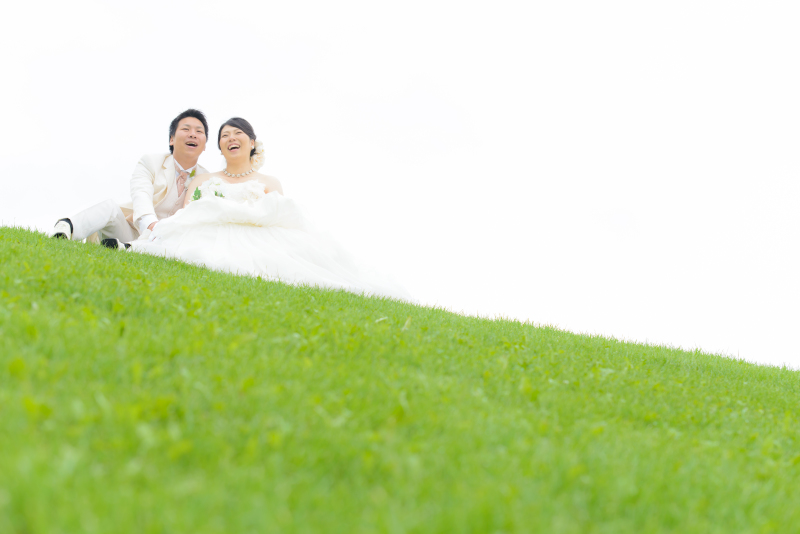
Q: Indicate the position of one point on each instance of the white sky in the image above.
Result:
(622, 167)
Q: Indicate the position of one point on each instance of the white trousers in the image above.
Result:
(106, 219)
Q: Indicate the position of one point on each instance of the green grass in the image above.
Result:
(141, 395)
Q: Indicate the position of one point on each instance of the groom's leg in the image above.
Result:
(106, 219)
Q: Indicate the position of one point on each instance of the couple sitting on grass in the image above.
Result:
(235, 220)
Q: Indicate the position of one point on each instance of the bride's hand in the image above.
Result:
(152, 225)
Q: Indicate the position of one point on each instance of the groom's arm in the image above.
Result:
(148, 222)
(144, 214)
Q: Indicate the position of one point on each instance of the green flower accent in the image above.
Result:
(191, 174)
(198, 194)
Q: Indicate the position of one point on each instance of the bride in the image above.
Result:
(237, 220)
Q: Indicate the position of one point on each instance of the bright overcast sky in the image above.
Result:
(624, 168)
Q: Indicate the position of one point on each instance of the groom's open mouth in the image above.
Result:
(192, 144)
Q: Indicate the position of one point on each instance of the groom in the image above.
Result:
(158, 189)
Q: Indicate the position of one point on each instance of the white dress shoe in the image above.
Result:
(63, 230)
(115, 244)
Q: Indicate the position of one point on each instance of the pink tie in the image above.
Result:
(181, 180)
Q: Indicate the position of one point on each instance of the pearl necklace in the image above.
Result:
(226, 173)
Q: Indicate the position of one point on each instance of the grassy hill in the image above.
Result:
(141, 395)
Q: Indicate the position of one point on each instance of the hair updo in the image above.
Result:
(243, 125)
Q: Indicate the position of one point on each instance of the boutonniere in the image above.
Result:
(191, 174)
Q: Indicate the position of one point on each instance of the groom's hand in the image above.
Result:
(152, 225)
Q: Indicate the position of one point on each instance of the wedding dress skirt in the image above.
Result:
(239, 229)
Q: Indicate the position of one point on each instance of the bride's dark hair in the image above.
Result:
(243, 125)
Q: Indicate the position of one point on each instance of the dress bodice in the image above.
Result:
(241, 192)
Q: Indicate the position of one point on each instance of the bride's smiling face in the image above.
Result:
(234, 143)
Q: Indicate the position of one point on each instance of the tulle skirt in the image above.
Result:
(269, 237)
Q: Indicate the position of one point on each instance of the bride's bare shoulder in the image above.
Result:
(271, 183)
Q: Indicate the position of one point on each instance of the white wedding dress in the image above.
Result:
(240, 229)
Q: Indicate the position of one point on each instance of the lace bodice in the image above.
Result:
(241, 192)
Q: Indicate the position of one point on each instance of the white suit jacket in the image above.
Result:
(152, 179)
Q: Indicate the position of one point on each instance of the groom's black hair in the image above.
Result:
(243, 125)
(196, 113)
